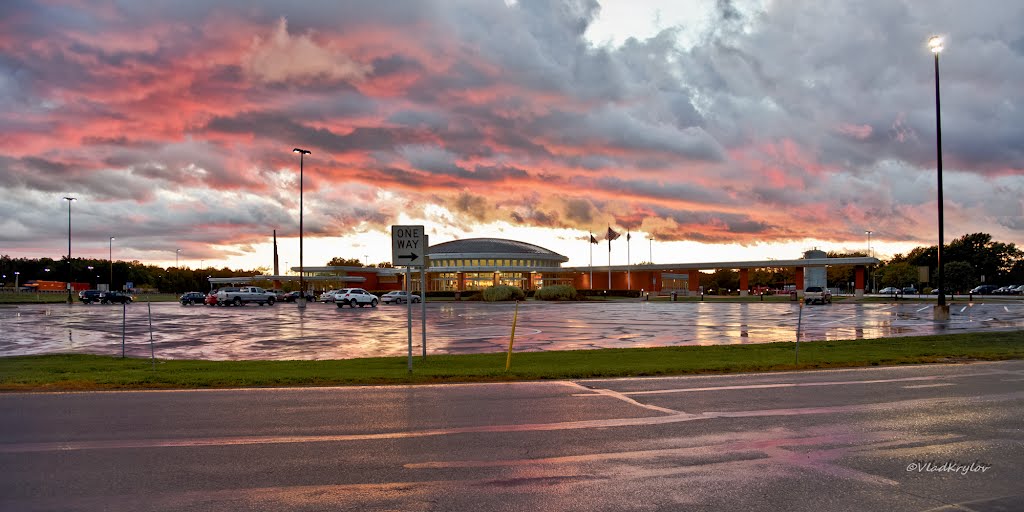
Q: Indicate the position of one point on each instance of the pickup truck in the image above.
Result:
(818, 294)
(245, 295)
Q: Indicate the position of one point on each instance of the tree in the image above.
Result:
(898, 274)
(338, 261)
(990, 259)
(959, 276)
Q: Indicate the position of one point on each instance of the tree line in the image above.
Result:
(100, 271)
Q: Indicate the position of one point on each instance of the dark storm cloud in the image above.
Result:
(506, 111)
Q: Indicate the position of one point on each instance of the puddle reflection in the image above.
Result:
(323, 331)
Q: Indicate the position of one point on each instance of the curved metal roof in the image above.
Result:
(492, 246)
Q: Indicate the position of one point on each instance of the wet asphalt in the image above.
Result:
(323, 331)
(923, 438)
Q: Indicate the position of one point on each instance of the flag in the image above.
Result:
(592, 239)
(612, 235)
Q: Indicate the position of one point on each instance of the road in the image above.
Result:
(323, 331)
(809, 441)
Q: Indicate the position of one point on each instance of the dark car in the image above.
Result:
(293, 296)
(89, 296)
(985, 289)
(116, 297)
(909, 290)
(192, 298)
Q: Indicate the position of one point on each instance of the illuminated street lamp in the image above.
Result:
(870, 254)
(90, 267)
(301, 302)
(110, 286)
(69, 199)
(17, 288)
(176, 253)
(935, 44)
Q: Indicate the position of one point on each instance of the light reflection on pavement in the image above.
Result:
(323, 331)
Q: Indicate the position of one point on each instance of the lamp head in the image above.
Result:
(71, 198)
(935, 44)
(301, 151)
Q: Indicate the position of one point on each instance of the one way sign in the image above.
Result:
(408, 246)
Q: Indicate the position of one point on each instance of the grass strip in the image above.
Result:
(70, 372)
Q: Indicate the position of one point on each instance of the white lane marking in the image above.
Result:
(922, 309)
(1006, 309)
(621, 396)
(59, 446)
(963, 309)
(802, 384)
(930, 385)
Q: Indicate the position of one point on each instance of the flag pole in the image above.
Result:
(629, 281)
(590, 243)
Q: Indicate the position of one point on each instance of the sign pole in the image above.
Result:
(408, 273)
(408, 249)
(423, 295)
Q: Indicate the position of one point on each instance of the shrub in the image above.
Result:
(503, 293)
(556, 292)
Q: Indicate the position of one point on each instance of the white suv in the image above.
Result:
(352, 296)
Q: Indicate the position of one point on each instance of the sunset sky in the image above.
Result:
(721, 129)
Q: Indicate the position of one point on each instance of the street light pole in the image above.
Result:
(301, 302)
(69, 199)
(176, 252)
(941, 309)
(110, 258)
(870, 254)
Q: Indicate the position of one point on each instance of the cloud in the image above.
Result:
(281, 57)
(768, 122)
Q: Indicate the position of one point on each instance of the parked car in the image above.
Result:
(192, 298)
(817, 295)
(352, 296)
(909, 290)
(211, 298)
(118, 297)
(398, 297)
(245, 295)
(328, 296)
(1006, 290)
(1019, 290)
(294, 296)
(890, 290)
(985, 289)
(89, 296)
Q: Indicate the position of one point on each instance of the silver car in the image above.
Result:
(327, 296)
(399, 297)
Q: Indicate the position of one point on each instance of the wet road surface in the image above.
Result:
(942, 437)
(323, 331)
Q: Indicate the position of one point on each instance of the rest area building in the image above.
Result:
(477, 263)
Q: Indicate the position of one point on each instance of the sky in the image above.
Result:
(710, 130)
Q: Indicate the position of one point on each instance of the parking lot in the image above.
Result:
(323, 331)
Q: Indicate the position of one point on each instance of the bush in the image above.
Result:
(556, 292)
(503, 293)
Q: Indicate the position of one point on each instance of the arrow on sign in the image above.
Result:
(410, 256)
